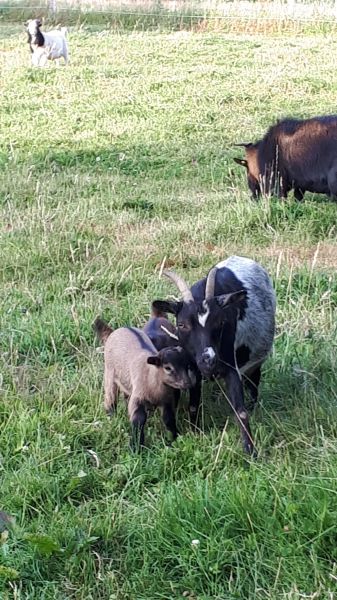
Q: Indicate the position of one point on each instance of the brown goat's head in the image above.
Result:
(251, 164)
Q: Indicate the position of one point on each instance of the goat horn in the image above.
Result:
(181, 285)
(169, 333)
(243, 145)
(210, 284)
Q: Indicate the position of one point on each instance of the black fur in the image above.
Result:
(157, 335)
(143, 343)
(29, 41)
(242, 355)
(226, 283)
(219, 332)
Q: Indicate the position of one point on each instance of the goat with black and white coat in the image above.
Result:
(226, 322)
(44, 46)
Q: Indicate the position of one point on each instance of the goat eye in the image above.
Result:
(167, 369)
(182, 326)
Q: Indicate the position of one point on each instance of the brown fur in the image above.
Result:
(294, 154)
(102, 329)
(147, 377)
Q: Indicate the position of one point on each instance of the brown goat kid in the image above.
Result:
(147, 378)
(294, 154)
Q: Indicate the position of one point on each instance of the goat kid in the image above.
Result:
(163, 334)
(226, 323)
(147, 378)
(46, 46)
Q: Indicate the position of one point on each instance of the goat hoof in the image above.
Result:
(110, 411)
(251, 451)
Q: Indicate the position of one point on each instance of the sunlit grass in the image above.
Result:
(108, 167)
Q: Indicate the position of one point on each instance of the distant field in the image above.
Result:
(107, 167)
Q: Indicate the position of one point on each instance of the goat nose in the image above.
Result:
(209, 357)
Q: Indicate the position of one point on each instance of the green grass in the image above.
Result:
(108, 166)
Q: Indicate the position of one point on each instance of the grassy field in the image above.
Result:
(107, 167)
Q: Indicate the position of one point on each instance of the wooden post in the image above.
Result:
(52, 6)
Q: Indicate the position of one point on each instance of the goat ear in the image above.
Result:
(167, 306)
(227, 299)
(154, 360)
(242, 162)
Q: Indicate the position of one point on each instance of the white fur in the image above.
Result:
(210, 352)
(202, 317)
(256, 329)
(55, 45)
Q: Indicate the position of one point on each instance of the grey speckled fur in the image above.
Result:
(256, 330)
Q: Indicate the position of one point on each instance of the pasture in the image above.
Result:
(108, 166)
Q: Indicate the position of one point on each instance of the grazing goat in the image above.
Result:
(147, 377)
(294, 154)
(226, 322)
(45, 46)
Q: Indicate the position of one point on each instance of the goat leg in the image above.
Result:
(110, 393)
(169, 419)
(194, 403)
(235, 392)
(177, 395)
(251, 382)
(137, 415)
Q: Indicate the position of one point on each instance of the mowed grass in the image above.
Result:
(108, 167)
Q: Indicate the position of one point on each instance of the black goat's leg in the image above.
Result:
(252, 382)
(235, 392)
(194, 402)
(177, 395)
(298, 194)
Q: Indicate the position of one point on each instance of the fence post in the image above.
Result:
(52, 5)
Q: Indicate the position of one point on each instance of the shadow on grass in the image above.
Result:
(141, 160)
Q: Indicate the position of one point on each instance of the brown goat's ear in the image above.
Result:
(242, 162)
(227, 299)
(154, 360)
(167, 306)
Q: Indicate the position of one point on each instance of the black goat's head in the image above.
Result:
(200, 324)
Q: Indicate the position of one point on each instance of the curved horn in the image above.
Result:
(210, 284)
(169, 333)
(181, 285)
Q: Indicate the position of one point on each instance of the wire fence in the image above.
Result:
(193, 11)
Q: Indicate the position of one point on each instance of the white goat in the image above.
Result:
(45, 46)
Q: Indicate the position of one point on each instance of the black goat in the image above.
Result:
(226, 323)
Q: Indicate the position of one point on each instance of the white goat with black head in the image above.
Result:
(45, 46)
(226, 322)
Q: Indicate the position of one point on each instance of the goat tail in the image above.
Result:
(102, 329)
(64, 30)
(156, 312)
